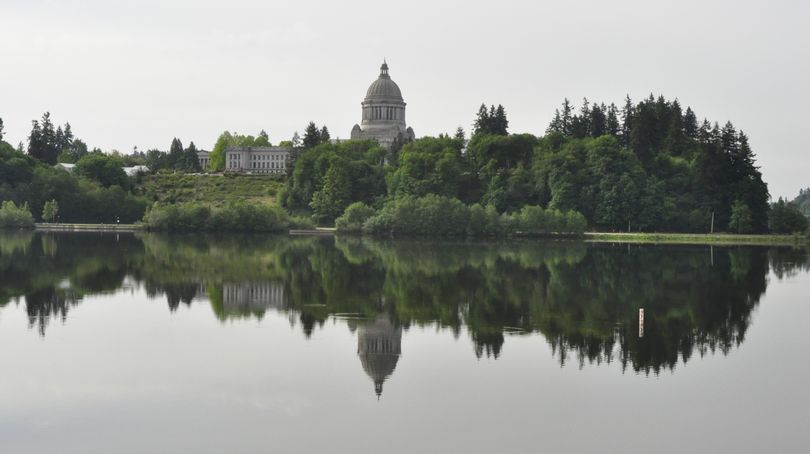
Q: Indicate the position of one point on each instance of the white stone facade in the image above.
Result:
(257, 160)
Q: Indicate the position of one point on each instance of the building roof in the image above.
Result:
(384, 89)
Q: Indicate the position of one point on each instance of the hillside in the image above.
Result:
(214, 190)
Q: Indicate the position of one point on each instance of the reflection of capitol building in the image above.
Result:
(379, 347)
(253, 296)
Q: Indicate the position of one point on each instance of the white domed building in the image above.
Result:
(383, 113)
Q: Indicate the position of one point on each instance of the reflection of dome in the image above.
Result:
(379, 347)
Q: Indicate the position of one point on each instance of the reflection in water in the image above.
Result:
(583, 298)
(379, 346)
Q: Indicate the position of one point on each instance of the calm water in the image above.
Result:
(146, 343)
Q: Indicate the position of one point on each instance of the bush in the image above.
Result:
(15, 217)
(353, 217)
(434, 215)
(233, 217)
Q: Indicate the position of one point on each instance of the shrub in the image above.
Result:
(15, 217)
(234, 216)
(353, 217)
(434, 215)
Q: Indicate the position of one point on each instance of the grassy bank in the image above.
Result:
(696, 238)
(210, 190)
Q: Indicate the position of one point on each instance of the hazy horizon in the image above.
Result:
(127, 75)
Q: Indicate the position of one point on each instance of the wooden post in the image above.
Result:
(712, 231)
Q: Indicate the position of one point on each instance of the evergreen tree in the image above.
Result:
(1, 129)
(312, 136)
(501, 124)
(189, 162)
(482, 121)
(325, 138)
(690, 126)
(612, 125)
(556, 123)
(460, 136)
(567, 117)
(627, 121)
(598, 121)
(296, 140)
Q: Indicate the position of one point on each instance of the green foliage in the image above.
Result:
(227, 140)
(430, 166)
(327, 178)
(802, 202)
(354, 217)
(492, 121)
(785, 217)
(434, 215)
(231, 217)
(683, 172)
(15, 217)
(46, 143)
(26, 180)
(50, 210)
(330, 201)
(104, 169)
(740, 221)
(313, 136)
(212, 190)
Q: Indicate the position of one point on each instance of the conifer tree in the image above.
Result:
(556, 123)
(567, 117)
(612, 125)
(312, 136)
(1, 129)
(627, 121)
(325, 138)
(501, 124)
(598, 121)
(690, 126)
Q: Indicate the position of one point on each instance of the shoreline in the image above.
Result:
(728, 239)
(48, 227)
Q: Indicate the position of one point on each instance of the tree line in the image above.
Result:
(649, 166)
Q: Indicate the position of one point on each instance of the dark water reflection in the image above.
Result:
(149, 343)
(583, 298)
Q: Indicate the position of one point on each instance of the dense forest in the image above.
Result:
(650, 166)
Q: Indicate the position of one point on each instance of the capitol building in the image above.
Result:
(383, 120)
(383, 113)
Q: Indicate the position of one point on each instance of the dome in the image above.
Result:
(384, 89)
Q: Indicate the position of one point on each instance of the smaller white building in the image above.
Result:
(134, 170)
(257, 160)
(65, 166)
(204, 158)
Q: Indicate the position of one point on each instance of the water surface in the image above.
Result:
(150, 343)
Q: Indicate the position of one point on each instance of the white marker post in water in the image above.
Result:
(641, 323)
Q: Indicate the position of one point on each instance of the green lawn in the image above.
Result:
(213, 190)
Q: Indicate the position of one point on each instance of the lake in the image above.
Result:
(151, 343)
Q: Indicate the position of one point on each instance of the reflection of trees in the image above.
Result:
(583, 298)
(55, 272)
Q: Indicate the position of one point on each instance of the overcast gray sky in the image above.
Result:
(138, 73)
